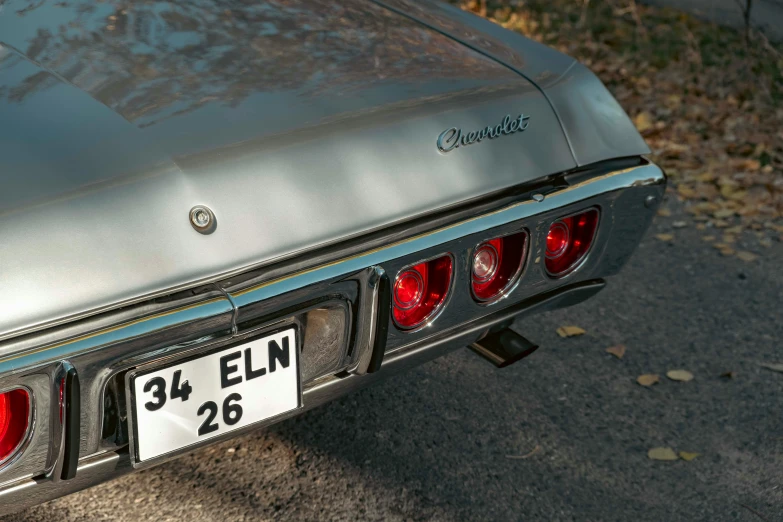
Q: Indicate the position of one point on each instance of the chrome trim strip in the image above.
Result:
(122, 332)
(57, 446)
(367, 327)
(635, 176)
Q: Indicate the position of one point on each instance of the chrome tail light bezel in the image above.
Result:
(514, 279)
(582, 259)
(439, 307)
(26, 436)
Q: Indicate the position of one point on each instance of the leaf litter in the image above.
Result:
(570, 331)
(661, 454)
(648, 379)
(688, 456)
(526, 455)
(679, 375)
(775, 367)
(707, 103)
(668, 454)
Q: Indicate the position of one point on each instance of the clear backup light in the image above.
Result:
(568, 241)
(497, 264)
(14, 421)
(420, 291)
(323, 345)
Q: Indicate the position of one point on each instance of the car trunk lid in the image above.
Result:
(299, 123)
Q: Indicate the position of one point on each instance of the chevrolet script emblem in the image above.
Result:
(453, 138)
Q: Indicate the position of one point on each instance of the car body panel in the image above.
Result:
(596, 126)
(111, 136)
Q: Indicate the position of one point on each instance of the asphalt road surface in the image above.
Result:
(436, 443)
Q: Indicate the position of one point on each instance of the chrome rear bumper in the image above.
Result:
(338, 286)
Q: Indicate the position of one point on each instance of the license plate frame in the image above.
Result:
(167, 362)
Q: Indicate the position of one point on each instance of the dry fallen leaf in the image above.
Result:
(661, 454)
(679, 224)
(720, 223)
(747, 256)
(723, 213)
(570, 331)
(775, 367)
(643, 121)
(648, 379)
(618, 351)
(679, 375)
(688, 456)
(664, 212)
(687, 192)
(526, 455)
(665, 237)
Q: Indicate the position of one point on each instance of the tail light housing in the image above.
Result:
(497, 264)
(420, 291)
(14, 421)
(568, 241)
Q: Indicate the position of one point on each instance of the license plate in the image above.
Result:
(202, 398)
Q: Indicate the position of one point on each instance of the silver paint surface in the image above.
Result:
(299, 123)
(595, 125)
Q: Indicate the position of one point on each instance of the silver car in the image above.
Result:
(217, 215)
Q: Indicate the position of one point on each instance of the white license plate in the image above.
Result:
(187, 403)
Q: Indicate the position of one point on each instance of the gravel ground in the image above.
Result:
(434, 444)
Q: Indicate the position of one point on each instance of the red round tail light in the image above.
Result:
(568, 241)
(14, 420)
(420, 290)
(496, 265)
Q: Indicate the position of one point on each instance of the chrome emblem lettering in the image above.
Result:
(453, 138)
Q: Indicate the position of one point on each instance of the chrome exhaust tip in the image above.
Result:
(503, 348)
